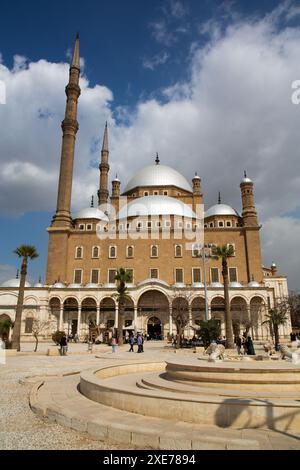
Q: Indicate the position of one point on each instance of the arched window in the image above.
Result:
(79, 252)
(154, 251)
(112, 252)
(178, 251)
(130, 251)
(95, 252)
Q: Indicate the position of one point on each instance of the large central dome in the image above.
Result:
(158, 175)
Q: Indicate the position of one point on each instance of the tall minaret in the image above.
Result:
(104, 169)
(62, 217)
(249, 213)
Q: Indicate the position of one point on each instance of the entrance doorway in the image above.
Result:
(154, 328)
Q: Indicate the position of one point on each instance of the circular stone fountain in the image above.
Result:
(254, 394)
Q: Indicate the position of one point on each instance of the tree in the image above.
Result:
(209, 331)
(26, 252)
(5, 327)
(277, 316)
(122, 277)
(180, 314)
(39, 327)
(294, 303)
(224, 252)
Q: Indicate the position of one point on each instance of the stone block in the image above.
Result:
(53, 351)
(97, 430)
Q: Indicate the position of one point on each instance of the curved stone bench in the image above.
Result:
(115, 387)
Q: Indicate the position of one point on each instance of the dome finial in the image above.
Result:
(17, 275)
(92, 201)
(157, 160)
(40, 279)
(245, 174)
(219, 198)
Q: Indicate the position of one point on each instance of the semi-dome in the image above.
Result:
(221, 209)
(198, 284)
(158, 175)
(91, 285)
(91, 213)
(38, 285)
(14, 283)
(74, 286)
(154, 206)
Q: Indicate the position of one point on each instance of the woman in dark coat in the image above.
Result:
(250, 347)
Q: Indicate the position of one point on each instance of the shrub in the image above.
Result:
(56, 337)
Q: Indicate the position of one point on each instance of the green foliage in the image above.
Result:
(209, 330)
(26, 251)
(223, 252)
(5, 326)
(57, 336)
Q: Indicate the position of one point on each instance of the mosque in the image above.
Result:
(156, 229)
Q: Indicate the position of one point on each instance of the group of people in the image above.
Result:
(139, 340)
(244, 345)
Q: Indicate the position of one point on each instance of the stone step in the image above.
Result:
(61, 402)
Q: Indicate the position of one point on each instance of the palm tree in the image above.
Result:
(26, 252)
(224, 252)
(122, 277)
(276, 317)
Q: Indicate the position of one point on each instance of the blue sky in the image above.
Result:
(141, 60)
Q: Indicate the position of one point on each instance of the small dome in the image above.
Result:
(179, 285)
(14, 283)
(38, 285)
(216, 284)
(74, 286)
(253, 284)
(198, 284)
(158, 175)
(196, 177)
(220, 209)
(58, 285)
(91, 213)
(246, 180)
(91, 285)
(235, 285)
(109, 286)
(156, 205)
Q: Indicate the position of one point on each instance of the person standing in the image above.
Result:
(250, 346)
(113, 344)
(63, 345)
(131, 342)
(238, 343)
(140, 343)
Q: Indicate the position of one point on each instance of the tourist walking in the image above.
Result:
(113, 345)
(63, 345)
(131, 342)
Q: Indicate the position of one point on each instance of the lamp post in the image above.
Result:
(205, 256)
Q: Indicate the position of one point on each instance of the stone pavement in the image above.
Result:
(22, 429)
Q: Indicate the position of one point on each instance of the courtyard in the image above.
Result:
(62, 427)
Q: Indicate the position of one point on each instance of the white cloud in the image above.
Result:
(153, 62)
(234, 113)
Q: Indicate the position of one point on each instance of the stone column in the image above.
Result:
(209, 312)
(135, 319)
(190, 321)
(79, 321)
(170, 320)
(98, 316)
(116, 316)
(61, 318)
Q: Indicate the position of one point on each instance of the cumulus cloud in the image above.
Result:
(233, 113)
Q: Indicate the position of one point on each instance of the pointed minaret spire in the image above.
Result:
(157, 160)
(62, 217)
(219, 198)
(103, 192)
(76, 54)
(245, 174)
(105, 140)
(92, 201)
